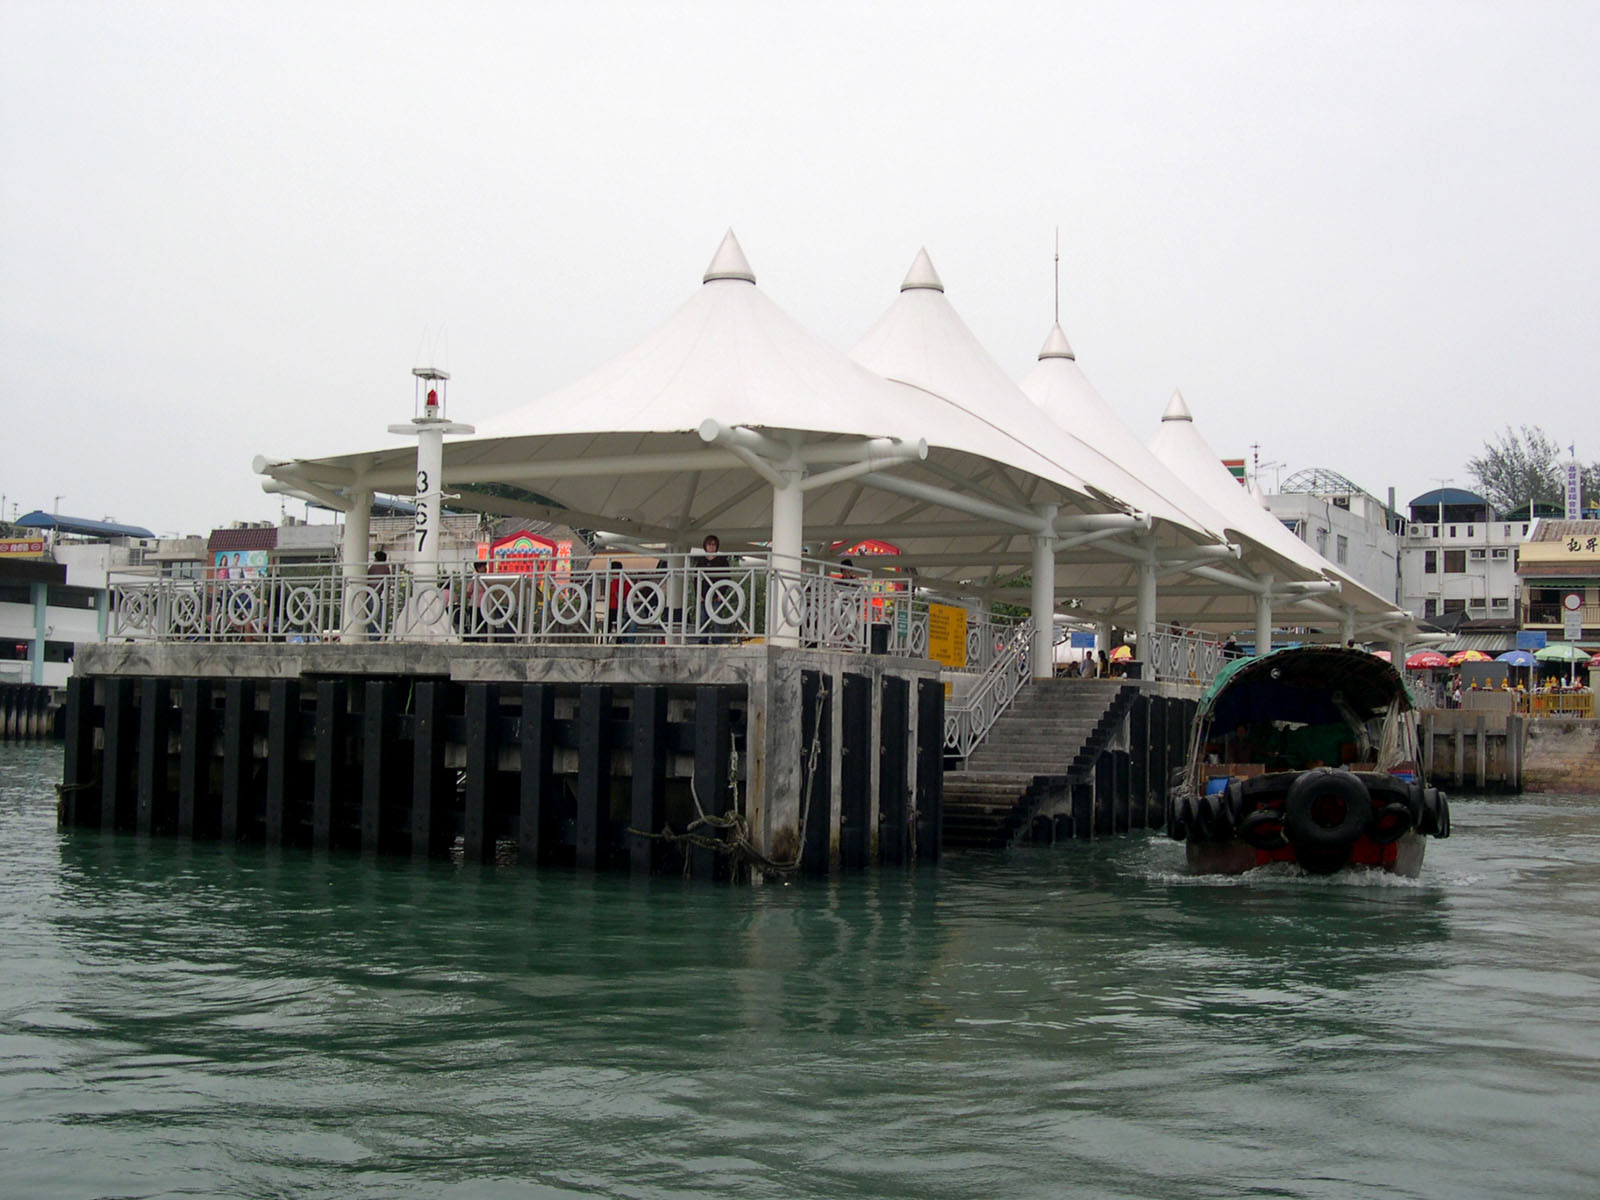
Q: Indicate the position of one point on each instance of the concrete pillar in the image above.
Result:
(1103, 638)
(1044, 602)
(788, 536)
(357, 538)
(1264, 617)
(1347, 629)
(41, 629)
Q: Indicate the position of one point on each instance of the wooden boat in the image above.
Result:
(1306, 755)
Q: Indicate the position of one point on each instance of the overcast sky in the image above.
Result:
(1363, 235)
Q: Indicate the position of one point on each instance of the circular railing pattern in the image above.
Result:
(302, 607)
(843, 618)
(136, 610)
(187, 612)
(241, 606)
(497, 604)
(430, 604)
(363, 605)
(919, 638)
(646, 603)
(568, 604)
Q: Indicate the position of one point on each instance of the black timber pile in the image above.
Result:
(548, 773)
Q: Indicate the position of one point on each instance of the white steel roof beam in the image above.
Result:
(960, 502)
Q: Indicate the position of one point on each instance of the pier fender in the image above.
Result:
(1180, 818)
(1326, 809)
(1216, 822)
(1390, 823)
(1263, 829)
(1435, 813)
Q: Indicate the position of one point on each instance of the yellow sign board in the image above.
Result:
(32, 548)
(947, 635)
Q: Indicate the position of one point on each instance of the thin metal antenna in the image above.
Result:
(1058, 275)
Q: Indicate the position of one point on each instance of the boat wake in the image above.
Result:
(1283, 874)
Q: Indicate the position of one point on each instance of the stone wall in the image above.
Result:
(1563, 755)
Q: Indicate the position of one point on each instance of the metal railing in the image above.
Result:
(1003, 650)
(1572, 703)
(1179, 655)
(1553, 614)
(676, 600)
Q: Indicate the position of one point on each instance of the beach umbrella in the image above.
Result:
(1466, 656)
(1564, 652)
(1122, 653)
(1424, 660)
(1383, 654)
(1517, 658)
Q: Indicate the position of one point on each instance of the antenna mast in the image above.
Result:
(1058, 275)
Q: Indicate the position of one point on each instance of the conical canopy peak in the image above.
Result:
(1177, 410)
(1056, 345)
(922, 274)
(729, 262)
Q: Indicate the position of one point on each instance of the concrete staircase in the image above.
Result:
(1050, 738)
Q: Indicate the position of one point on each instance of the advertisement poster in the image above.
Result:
(240, 564)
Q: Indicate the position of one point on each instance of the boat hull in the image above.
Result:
(1235, 857)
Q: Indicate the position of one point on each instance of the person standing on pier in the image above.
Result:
(711, 568)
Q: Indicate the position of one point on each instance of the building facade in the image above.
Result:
(1560, 561)
(1457, 555)
(1346, 524)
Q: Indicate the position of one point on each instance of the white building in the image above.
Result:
(1458, 555)
(1346, 524)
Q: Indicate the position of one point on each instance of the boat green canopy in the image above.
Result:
(1283, 682)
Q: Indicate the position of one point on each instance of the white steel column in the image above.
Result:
(1347, 628)
(1104, 637)
(1264, 616)
(1044, 596)
(677, 571)
(1146, 619)
(788, 536)
(357, 537)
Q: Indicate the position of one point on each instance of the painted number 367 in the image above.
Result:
(421, 525)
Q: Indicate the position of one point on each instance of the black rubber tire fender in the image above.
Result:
(1237, 807)
(1321, 791)
(1263, 829)
(1178, 811)
(1435, 813)
(1390, 823)
(1414, 802)
(1215, 822)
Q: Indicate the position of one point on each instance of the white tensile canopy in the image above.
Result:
(1357, 610)
(731, 418)
(728, 404)
(1058, 387)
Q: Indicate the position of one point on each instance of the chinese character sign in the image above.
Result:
(1574, 492)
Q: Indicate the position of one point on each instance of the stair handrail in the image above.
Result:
(968, 718)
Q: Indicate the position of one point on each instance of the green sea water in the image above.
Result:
(185, 1020)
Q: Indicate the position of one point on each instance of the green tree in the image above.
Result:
(1524, 465)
